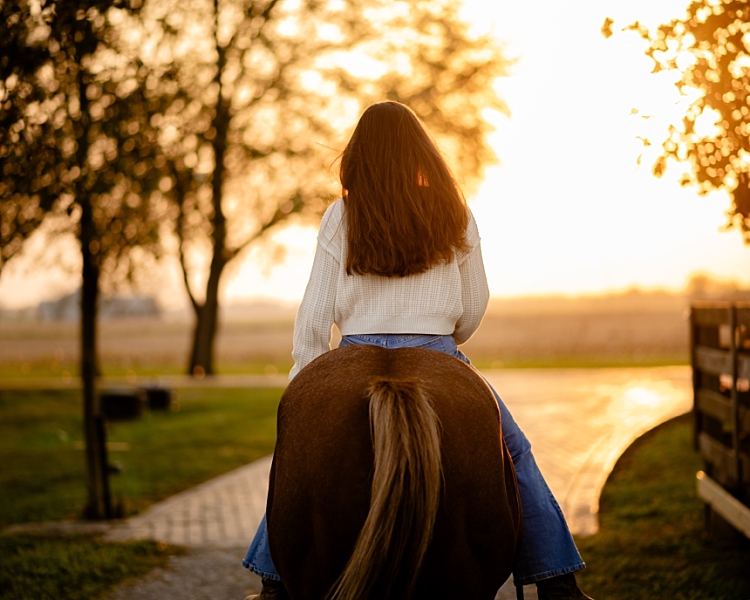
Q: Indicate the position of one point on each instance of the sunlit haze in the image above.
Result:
(568, 209)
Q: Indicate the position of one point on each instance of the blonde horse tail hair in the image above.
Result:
(405, 494)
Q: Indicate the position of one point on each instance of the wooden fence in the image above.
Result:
(720, 355)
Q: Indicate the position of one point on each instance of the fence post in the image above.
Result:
(696, 378)
(734, 396)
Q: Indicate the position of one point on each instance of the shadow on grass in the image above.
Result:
(651, 542)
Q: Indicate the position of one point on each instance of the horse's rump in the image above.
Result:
(322, 476)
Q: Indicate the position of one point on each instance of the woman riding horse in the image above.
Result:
(399, 264)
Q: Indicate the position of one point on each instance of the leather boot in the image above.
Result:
(272, 590)
(562, 587)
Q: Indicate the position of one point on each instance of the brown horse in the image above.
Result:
(391, 480)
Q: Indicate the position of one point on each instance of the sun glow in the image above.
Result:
(573, 207)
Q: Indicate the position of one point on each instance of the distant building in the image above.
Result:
(68, 308)
(120, 307)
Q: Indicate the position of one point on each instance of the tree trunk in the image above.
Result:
(95, 505)
(206, 323)
(206, 314)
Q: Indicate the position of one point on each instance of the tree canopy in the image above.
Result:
(710, 48)
(75, 129)
(270, 90)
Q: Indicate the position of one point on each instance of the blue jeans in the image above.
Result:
(547, 548)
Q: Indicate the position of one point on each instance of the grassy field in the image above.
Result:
(580, 334)
(580, 339)
(651, 542)
(42, 477)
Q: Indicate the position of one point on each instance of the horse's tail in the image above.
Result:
(405, 493)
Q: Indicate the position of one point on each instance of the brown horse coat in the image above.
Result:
(322, 477)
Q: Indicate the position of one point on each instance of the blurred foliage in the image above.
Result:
(709, 47)
(269, 91)
(273, 89)
(75, 130)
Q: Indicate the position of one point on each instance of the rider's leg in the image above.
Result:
(258, 557)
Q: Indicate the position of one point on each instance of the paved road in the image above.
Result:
(578, 420)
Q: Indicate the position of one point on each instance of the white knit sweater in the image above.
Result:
(448, 299)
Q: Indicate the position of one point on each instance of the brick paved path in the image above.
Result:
(578, 420)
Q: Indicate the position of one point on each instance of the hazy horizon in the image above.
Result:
(639, 298)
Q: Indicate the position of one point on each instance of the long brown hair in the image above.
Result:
(404, 210)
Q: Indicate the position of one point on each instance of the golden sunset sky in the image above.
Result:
(568, 209)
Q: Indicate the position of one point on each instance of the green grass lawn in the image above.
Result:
(42, 477)
(72, 567)
(70, 370)
(651, 542)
